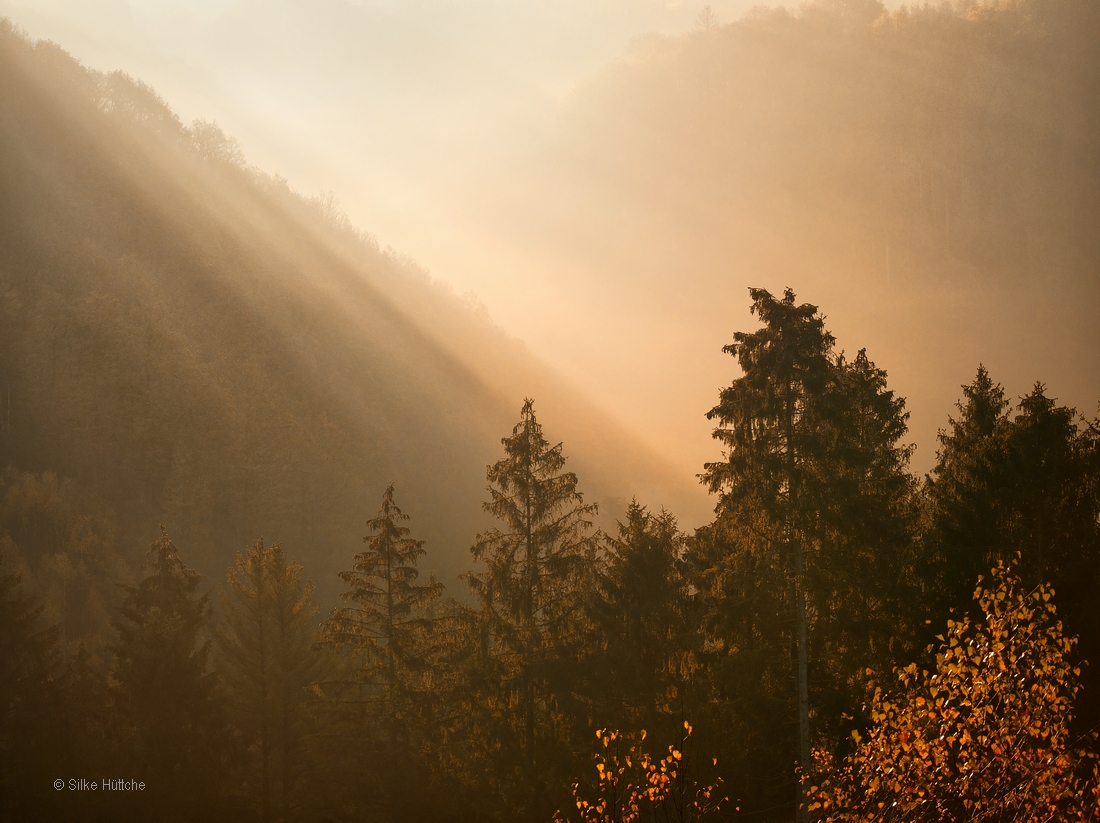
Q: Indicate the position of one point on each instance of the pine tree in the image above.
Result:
(267, 662)
(172, 724)
(297, 664)
(388, 625)
(1054, 507)
(805, 562)
(867, 608)
(966, 494)
(388, 638)
(645, 638)
(244, 658)
(770, 421)
(530, 598)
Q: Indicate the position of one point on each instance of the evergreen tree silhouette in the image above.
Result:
(173, 730)
(771, 423)
(1025, 483)
(531, 595)
(266, 658)
(388, 636)
(646, 629)
(814, 526)
(965, 491)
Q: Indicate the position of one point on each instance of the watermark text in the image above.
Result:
(105, 784)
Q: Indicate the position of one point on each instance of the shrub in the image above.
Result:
(632, 785)
(984, 737)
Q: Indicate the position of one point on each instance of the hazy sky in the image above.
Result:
(413, 113)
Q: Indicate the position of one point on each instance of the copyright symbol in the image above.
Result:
(59, 784)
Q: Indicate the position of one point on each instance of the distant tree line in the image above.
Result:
(827, 564)
(927, 135)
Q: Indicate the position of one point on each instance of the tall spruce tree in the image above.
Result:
(966, 495)
(388, 624)
(297, 664)
(867, 609)
(172, 720)
(266, 659)
(387, 636)
(1053, 474)
(804, 563)
(771, 422)
(530, 601)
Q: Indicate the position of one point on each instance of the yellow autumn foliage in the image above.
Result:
(984, 737)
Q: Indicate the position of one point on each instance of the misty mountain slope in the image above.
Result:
(968, 135)
(930, 177)
(200, 347)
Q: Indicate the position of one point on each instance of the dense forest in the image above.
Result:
(245, 454)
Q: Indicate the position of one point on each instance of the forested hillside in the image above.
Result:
(193, 344)
(927, 135)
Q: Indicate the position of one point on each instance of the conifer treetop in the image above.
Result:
(168, 586)
(535, 561)
(382, 585)
(528, 485)
(765, 417)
